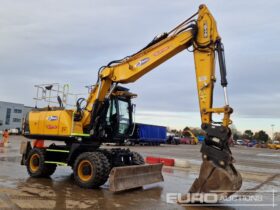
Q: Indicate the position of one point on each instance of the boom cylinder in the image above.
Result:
(222, 63)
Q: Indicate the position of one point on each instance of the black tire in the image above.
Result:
(137, 159)
(36, 166)
(91, 169)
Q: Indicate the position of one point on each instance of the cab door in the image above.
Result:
(124, 117)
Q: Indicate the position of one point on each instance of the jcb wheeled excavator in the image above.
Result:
(107, 117)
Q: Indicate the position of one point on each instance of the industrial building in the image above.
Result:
(12, 114)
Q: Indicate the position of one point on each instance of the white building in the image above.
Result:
(12, 114)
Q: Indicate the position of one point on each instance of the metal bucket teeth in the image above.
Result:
(129, 177)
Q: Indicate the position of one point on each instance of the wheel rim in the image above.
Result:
(34, 162)
(85, 170)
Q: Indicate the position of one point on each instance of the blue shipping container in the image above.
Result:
(151, 133)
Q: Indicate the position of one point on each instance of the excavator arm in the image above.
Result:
(217, 171)
(201, 34)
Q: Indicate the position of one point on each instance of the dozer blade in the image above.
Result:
(222, 181)
(129, 177)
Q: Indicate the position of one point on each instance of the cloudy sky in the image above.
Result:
(67, 41)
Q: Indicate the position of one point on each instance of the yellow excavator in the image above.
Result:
(189, 133)
(106, 116)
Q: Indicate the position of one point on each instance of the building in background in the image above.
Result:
(12, 114)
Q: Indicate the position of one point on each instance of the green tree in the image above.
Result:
(198, 132)
(235, 133)
(261, 136)
(235, 136)
(248, 134)
(175, 131)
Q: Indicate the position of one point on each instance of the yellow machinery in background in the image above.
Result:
(106, 116)
(190, 134)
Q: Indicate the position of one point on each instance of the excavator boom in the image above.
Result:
(217, 171)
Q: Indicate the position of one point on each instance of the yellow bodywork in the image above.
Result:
(54, 123)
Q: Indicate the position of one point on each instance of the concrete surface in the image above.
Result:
(260, 169)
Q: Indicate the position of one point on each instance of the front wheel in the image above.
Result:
(91, 169)
(36, 166)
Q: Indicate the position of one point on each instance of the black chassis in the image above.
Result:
(116, 156)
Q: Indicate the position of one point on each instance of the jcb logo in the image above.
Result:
(205, 30)
(52, 118)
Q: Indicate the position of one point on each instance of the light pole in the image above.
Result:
(272, 129)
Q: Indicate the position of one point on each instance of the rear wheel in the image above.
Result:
(36, 166)
(137, 159)
(91, 169)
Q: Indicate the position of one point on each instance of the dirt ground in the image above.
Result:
(260, 169)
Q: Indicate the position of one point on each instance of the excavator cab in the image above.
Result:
(118, 121)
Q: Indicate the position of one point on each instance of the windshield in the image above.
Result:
(123, 117)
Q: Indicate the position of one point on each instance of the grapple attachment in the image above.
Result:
(129, 177)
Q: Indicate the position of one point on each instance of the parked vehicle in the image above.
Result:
(13, 131)
(252, 143)
(275, 145)
(185, 140)
(145, 134)
(172, 138)
(276, 142)
(239, 142)
(261, 145)
(246, 142)
(188, 138)
(176, 139)
(200, 138)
